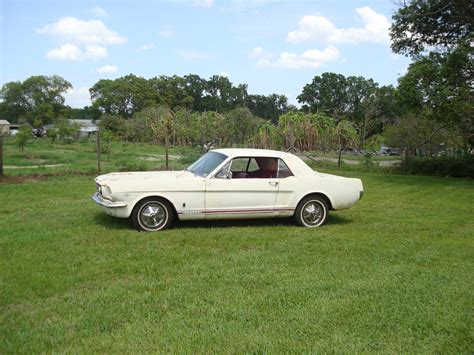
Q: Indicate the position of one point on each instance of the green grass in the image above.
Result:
(40, 154)
(82, 157)
(392, 274)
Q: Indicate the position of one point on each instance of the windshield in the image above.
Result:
(207, 163)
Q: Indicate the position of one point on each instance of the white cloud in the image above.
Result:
(224, 73)
(204, 3)
(319, 28)
(191, 55)
(64, 52)
(167, 33)
(257, 52)
(73, 52)
(146, 47)
(98, 11)
(312, 58)
(95, 52)
(107, 69)
(74, 30)
(78, 97)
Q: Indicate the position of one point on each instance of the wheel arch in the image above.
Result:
(320, 194)
(160, 197)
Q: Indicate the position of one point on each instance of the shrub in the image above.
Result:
(23, 137)
(440, 166)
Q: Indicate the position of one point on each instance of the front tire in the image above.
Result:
(312, 212)
(152, 214)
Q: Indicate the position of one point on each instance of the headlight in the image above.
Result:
(106, 192)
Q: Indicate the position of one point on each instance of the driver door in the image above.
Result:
(238, 192)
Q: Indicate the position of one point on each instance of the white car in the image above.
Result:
(227, 184)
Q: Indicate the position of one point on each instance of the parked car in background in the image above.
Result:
(389, 151)
(227, 184)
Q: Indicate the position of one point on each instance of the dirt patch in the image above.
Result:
(32, 166)
(353, 162)
(159, 157)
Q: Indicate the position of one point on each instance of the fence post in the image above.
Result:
(1, 155)
(98, 150)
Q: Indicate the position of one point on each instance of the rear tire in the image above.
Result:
(312, 211)
(152, 214)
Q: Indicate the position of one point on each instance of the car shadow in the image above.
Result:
(110, 222)
(261, 222)
(124, 223)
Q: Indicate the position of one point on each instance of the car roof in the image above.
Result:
(296, 165)
(232, 152)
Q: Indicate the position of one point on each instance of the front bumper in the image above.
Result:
(107, 203)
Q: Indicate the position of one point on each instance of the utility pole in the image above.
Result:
(98, 150)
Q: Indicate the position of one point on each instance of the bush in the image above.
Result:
(440, 166)
(23, 137)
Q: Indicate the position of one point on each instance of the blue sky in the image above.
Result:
(273, 46)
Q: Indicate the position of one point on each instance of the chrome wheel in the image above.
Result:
(312, 211)
(153, 216)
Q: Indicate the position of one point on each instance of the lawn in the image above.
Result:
(392, 274)
(42, 156)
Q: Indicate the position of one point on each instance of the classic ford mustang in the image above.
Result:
(224, 184)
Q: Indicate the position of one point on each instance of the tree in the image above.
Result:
(39, 99)
(361, 94)
(22, 137)
(439, 87)
(171, 91)
(268, 136)
(350, 98)
(160, 121)
(113, 123)
(221, 96)
(327, 94)
(242, 124)
(414, 133)
(123, 96)
(422, 25)
(344, 135)
(211, 126)
(270, 107)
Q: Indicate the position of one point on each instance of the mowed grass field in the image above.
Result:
(42, 156)
(393, 274)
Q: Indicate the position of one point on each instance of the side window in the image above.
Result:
(239, 165)
(224, 172)
(283, 170)
(253, 166)
(267, 168)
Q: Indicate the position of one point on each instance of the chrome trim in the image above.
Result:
(106, 203)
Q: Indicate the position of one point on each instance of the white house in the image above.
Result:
(4, 127)
(86, 127)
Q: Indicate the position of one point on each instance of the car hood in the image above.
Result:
(141, 176)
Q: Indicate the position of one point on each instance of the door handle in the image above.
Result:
(273, 183)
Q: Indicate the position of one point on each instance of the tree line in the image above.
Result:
(431, 106)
